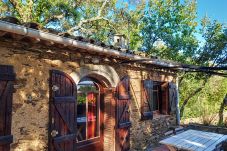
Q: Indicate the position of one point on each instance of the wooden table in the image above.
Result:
(195, 140)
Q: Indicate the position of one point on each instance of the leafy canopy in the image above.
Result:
(99, 19)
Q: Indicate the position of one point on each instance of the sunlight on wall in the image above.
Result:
(31, 145)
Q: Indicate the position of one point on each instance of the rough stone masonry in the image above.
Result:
(31, 97)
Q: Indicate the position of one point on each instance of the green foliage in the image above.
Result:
(169, 28)
(213, 52)
(98, 19)
(57, 12)
(81, 99)
(87, 88)
(208, 101)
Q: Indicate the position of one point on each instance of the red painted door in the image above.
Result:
(123, 115)
(89, 115)
(7, 77)
(62, 131)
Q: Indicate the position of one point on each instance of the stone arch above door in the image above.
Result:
(105, 74)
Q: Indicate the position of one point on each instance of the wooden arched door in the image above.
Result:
(7, 77)
(62, 130)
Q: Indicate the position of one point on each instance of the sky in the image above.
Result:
(215, 9)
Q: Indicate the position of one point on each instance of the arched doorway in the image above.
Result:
(90, 104)
(95, 116)
(93, 93)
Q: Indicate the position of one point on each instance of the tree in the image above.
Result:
(98, 19)
(212, 53)
(41, 11)
(169, 28)
(221, 110)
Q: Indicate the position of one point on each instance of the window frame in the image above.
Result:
(145, 115)
(98, 92)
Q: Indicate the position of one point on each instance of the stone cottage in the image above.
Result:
(64, 93)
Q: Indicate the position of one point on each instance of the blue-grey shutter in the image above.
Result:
(147, 97)
(172, 97)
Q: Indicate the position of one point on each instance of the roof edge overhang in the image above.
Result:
(41, 35)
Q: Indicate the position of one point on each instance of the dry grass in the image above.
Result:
(225, 122)
(208, 119)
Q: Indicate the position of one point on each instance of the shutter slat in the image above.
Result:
(147, 97)
(172, 97)
(65, 138)
(6, 139)
(123, 115)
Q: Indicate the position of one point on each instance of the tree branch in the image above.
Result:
(102, 8)
(98, 17)
(15, 7)
(47, 20)
(221, 110)
(191, 95)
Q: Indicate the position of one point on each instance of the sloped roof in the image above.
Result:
(33, 30)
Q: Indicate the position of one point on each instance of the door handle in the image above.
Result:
(55, 88)
(54, 133)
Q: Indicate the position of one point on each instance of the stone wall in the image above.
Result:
(31, 98)
(147, 132)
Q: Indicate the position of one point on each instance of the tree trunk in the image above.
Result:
(190, 96)
(221, 110)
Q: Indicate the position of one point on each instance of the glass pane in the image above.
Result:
(87, 110)
(81, 116)
(155, 100)
(92, 114)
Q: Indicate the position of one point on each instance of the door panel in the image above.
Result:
(123, 115)
(89, 115)
(62, 132)
(7, 77)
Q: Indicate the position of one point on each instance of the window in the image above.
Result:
(88, 95)
(154, 98)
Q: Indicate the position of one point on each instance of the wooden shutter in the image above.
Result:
(7, 77)
(123, 115)
(62, 112)
(172, 97)
(165, 98)
(147, 96)
(123, 89)
(109, 118)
